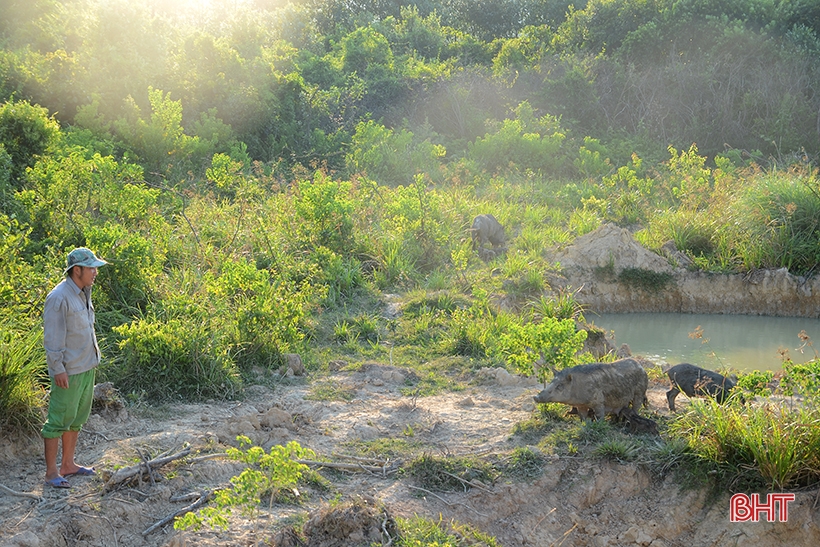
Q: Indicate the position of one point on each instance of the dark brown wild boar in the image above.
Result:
(697, 382)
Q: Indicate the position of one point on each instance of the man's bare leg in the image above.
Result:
(67, 466)
(51, 447)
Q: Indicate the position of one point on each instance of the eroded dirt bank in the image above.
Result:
(594, 262)
(574, 502)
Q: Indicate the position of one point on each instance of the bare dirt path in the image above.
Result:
(575, 502)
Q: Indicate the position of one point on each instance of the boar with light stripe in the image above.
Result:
(602, 388)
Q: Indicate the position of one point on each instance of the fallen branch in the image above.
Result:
(353, 466)
(467, 483)
(8, 490)
(445, 501)
(204, 498)
(208, 457)
(148, 469)
(127, 473)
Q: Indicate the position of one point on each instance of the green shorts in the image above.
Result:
(69, 409)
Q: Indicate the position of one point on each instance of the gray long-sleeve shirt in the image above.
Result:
(68, 330)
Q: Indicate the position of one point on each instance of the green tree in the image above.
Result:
(26, 132)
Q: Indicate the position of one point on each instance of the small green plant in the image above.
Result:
(267, 475)
(801, 378)
(449, 474)
(617, 449)
(173, 357)
(330, 391)
(423, 532)
(523, 463)
(361, 329)
(564, 306)
(645, 280)
(756, 382)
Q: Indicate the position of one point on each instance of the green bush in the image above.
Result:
(533, 346)
(26, 132)
(135, 264)
(525, 142)
(392, 157)
(73, 192)
(801, 378)
(756, 382)
(173, 358)
(777, 222)
(324, 207)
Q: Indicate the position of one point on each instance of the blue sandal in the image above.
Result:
(58, 482)
(83, 472)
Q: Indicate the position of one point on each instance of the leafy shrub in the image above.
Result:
(801, 378)
(392, 157)
(6, 188)
(260, 316)
(135, 264)
(756, 382)
(550, 342)
(178, 357)
(364, 48)
(73, 192)
(160, 141)
(324, 206)
(413, 230)
(525, 142)
(26, 132)
(21, 282)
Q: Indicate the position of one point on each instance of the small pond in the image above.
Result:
(743, 342)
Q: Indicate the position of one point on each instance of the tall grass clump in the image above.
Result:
(420, 531)
(22, 375)
(771, 445)
(778, 223)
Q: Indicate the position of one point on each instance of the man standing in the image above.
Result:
(72, 354)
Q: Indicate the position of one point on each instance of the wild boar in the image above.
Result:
(486, 229)
(603, 388)
(697, 382)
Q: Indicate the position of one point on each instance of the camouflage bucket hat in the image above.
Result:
(83, 257)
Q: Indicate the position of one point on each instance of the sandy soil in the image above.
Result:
(575, 502)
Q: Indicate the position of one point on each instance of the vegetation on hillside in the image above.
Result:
(264, 176)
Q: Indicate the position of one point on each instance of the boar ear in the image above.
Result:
(569, 377)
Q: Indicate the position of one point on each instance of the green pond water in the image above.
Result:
(742, 342)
